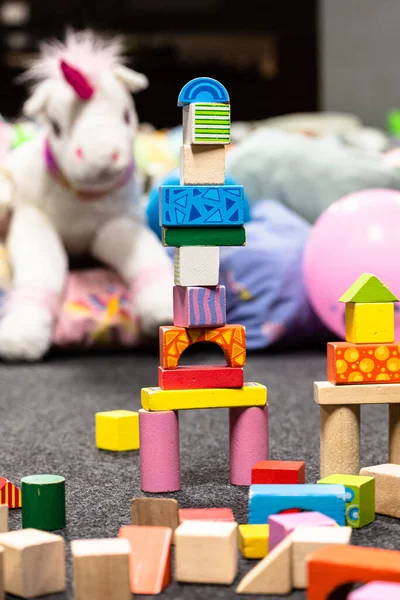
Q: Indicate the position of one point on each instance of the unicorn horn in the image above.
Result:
(77, 81)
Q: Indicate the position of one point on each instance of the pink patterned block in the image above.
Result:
(376, 590)
(281, 525)
(199, 306)
(248, 441)
(159, 451)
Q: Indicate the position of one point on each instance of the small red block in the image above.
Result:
(206, 514)
(204, 377)
(278, 471)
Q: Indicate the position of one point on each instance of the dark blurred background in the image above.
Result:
(264, 51)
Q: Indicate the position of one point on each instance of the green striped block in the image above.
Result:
(211, 123)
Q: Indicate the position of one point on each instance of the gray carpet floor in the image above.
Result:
(47, 415)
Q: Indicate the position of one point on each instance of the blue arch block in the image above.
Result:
(202, 89)
(271, 499)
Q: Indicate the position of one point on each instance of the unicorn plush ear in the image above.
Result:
(134, 81)
(36, 104)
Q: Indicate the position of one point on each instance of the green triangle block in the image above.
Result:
(368, 288)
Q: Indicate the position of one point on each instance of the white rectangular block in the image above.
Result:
(202, 165)
(196, 265)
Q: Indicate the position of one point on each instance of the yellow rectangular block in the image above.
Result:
(117, 430)
(253, 540)
(251, 394)
(370, 323)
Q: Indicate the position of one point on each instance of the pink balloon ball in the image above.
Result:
(360, 233)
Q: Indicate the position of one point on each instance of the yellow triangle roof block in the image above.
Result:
(368, 288)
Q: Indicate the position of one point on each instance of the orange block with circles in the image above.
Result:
(363, 363)
(333, 566)
(174, 340)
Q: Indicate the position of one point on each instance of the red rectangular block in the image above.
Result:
(363, 363)
(206, 514)
(278, 471)
(200, 377)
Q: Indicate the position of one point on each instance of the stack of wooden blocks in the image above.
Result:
(197, 217)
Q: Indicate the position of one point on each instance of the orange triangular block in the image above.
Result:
(150, 557)
(10, 494)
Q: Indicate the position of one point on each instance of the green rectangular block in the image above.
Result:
(203, 236)
(360, 498)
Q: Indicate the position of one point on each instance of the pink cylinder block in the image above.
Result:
(160, 467)
(248, 441)
(376, 590)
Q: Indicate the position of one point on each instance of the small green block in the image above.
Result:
(368, 288)
(43, 502)
(360, 498)
(203, 236)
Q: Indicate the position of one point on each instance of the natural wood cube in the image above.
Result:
(34, 562)
(202, 165)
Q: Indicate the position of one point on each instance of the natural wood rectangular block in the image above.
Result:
(3, 518)
(327, 393)
(34, 563)
(387, 488)
(202, 165)
(101, 569)
(156, 512)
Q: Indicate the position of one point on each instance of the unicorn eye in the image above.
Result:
(127, 116)
(56, 127)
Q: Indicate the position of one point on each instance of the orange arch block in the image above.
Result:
(174, 340)
(333, 566)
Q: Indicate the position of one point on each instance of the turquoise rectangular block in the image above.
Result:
(201, 205)
(271, 499)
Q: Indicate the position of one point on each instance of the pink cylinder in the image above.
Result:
(160, 467)
(248, 437)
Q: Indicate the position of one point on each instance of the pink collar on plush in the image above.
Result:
(56, 172)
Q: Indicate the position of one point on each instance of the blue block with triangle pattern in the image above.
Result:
(201, 205)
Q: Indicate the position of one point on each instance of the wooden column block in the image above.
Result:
(101, 569)
(34, 563)
(156, 512)
(44, 502)
(199, 306)
(3, 518)
(248, 441)
(196, 266)
(339, 440)
(282, 525)
(387, 488)
(202, 165)
(360, 500)
(206, 552)
(160, 468)
(394, 433)
(278, 471)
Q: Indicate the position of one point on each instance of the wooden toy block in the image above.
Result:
(3, 519)
(202, 165)
(367, 289)
(206, 123)
(197, 377)
(204, 236)
(305, 541)
(230, 338)
(156, 399)
(335, 565)
(248, 441)
(282, 525)
(117, 430)
(387, 488)
(156, 512)
(160, 469)
(202, 89)
(369, 323)
(278, 471)
(34, 563)
(206, 552)
(360, 498)
(44, 502)
(374, 393)
(2, 595)
(201, 205)
(272, 575)
(253, 540)
(394, 433)
(270, 499)
(196, 266)
(101, 569)
(10, 494)
(339, 439)
(199, 306)
(206, 514)
(149, 559)
(376, 590)
(366, 363)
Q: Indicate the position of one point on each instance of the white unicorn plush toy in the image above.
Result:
(72, 191)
